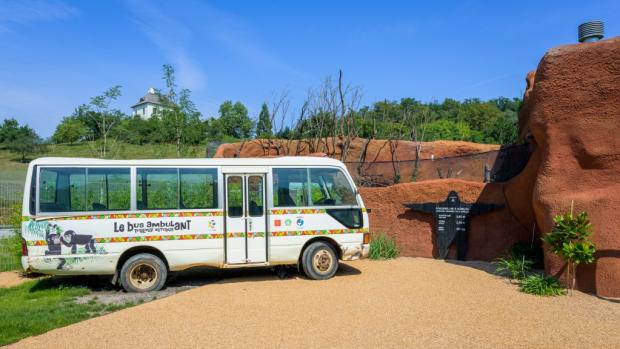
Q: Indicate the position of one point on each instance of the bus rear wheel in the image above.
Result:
(143, 273)
(319, 261)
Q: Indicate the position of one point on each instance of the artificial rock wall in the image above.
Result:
(490, 234)
(571, 118)
(571, 122)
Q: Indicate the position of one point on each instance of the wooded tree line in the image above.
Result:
(329, 111)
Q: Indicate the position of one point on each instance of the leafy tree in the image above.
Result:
(104, 117)
(445, 129)
(264, 127)
(100, 119)
(135, 130)
(234, 120)
(570, 240)
(70, 130)
(477, 113)
(502, 130)
(180, 119)
(21, 140)
(492, 121)
(285, 133)
(9, 130)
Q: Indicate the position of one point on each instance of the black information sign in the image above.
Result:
(452, 218)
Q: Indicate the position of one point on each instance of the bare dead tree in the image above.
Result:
(362, 158)
(395, 134)
(331, 117)
(350, 98)
(280, 105)
(417, 131)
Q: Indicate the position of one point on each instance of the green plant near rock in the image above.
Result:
(570, 240)
(515, 267)
(382, 247)
(530, 252)
(541, 285)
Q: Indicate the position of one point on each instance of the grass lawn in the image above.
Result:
(12, 170)
(36, 307)
(10, 252)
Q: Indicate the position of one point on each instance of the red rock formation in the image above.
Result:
(377, 150)
(491, 234)
(465, 160)
(572, 115)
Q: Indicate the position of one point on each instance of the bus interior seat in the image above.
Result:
(329, 202)
(52, 207)
(234, 211)
(255, 209)
(285, 198)
(99, 207)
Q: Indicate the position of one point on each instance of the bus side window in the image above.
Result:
(108, 189)
(290, 187)
(198, 188)
(255, 196)
(330, 186)
(157, 188)
(62, 189)
(234, 195)
(74, 189)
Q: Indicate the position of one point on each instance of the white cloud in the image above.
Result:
(172, 38)
(26, 12)
(237, 36)
(174, 33)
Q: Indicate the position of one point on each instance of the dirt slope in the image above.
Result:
(412, 303)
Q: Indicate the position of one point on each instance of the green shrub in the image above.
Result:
(541, 285)
(570, 240)
(382, 247)
(515, 267)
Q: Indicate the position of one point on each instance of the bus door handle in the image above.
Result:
(249, 220)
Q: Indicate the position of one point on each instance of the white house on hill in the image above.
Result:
(147, 105)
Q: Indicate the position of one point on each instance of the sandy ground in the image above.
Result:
(408, 302)
(14, 278)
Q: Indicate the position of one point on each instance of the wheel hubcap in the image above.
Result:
(143, 276)
(323, 261)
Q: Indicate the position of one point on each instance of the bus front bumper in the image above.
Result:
(25, 263)
(355, 252)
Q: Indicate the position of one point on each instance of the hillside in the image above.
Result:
(11, 170)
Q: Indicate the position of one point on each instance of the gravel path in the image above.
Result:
(408, 302)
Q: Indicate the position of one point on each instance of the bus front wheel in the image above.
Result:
(319, 261)
(143, 273)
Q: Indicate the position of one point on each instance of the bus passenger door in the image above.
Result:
(257, 222)
(246, 233)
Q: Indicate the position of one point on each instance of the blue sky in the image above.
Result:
(55, 55)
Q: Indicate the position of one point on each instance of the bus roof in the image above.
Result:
(265, 161)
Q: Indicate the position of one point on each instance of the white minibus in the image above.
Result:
(138, 220)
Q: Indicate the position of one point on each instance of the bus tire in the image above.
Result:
(143, 272)
(319, 261)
